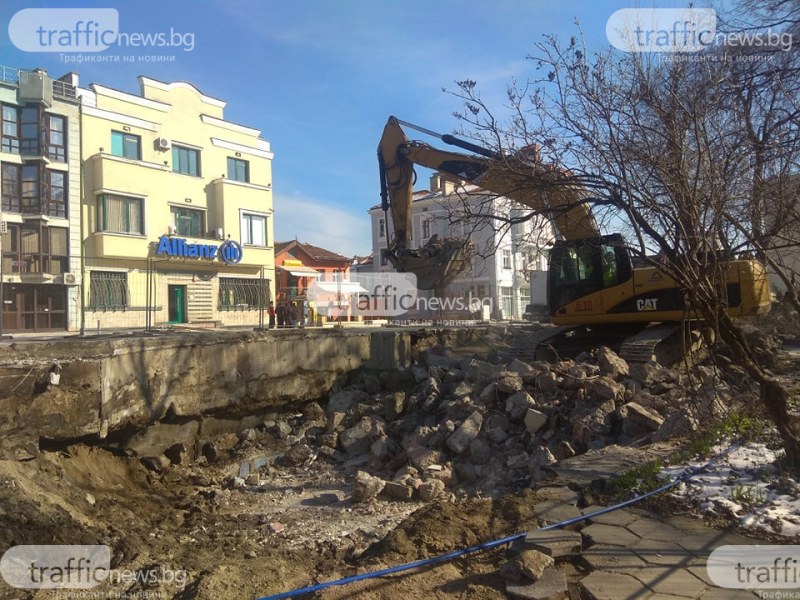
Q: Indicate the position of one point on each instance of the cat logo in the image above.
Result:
(647, 304)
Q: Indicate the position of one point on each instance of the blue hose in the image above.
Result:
(685, 476)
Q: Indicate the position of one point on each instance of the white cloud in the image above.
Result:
(322, 224)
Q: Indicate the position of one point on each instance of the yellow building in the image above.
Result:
(177, 210)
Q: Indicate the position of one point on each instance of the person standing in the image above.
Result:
(271, 313)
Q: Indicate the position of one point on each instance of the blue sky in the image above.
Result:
(319, 78)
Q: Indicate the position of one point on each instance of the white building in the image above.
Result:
(507, 257)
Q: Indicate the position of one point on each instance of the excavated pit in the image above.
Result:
(418, 444)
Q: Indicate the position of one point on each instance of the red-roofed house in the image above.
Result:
(298, 265)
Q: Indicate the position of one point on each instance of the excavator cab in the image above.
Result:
(582, 267)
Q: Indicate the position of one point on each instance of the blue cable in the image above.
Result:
(685, 476)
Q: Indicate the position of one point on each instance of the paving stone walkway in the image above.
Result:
(629, 554)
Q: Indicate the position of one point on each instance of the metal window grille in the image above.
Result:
(242, 293)
(108, 290)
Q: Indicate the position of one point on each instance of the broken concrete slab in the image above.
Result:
(607, 463)
(636, 418)
(554, 542)
(460, 440)
(555, 511)
(552, 585)
(397, 491)
(620, 517)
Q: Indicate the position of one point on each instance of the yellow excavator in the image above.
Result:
(591, 277)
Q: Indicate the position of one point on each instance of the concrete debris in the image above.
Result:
(366, 487)
(517, 405)
(611, 364)
(460, 440)
(534, 420)
(449, 425)
(430, 489)
(637, 419)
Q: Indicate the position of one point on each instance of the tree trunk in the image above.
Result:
(774, 395)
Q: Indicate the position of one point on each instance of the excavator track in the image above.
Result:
(641, 348)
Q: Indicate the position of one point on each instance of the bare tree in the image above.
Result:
(694, 155)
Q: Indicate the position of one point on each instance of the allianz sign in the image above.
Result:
(229, 251)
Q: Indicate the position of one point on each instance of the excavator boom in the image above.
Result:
(522, 178)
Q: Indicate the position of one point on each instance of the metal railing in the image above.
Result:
(9, 75)
(60, 88)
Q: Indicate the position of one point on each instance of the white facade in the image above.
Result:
(506, 259)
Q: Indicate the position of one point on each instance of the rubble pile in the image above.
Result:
(463, 426)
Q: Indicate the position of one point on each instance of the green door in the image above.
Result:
(177, 303)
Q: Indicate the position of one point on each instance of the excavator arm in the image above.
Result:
(521, 178)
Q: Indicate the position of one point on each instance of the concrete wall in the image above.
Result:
(115, 385)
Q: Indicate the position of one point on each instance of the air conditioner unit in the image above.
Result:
(70, 279)
(163, 143)
(172, 230)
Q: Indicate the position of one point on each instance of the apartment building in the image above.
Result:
(40, 210)
(508, 268)
(177, 210)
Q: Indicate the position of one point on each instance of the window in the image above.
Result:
(29, 200)
(506, 295)
(381, 228)
(609, 261)
(185, 160)
(384, 258)
(35, 249)
(120, 214)
(55, 194)
(21, 191)
(30, 130)
(10, 141)
(242, 293)
(108, 290)
(188, 221)
(254, 229)
(238, 170)
(11, 187)
(426, 229)
(126, 145)
(506, 259)
(56, 138)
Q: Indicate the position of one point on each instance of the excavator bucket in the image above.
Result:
(437, 263)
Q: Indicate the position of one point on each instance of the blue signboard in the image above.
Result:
(229, 252)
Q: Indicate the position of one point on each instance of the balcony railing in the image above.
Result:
(60, 88)
(9, 75)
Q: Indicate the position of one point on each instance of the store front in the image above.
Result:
(182, 283)
(34, 307)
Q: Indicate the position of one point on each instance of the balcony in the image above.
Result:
(107, 244)
(228, 197)
(61, 89)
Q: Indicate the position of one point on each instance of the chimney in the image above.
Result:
(442, 184)
(71, 78)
